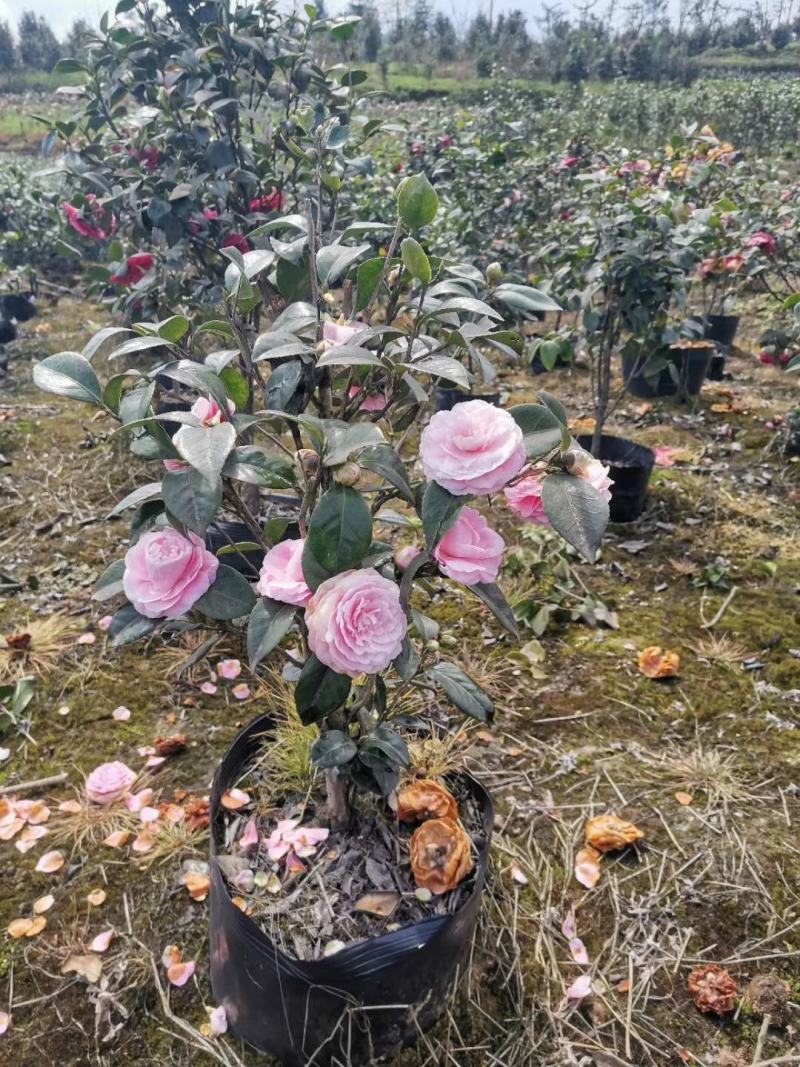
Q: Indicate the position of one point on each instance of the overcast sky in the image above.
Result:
(61, 13)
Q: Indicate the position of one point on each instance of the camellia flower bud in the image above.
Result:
(308, 460)
(494, 272)
(448, 640)
(393, 276)
(329, 299)
(432, 646)
(405, 554)
(348, 474)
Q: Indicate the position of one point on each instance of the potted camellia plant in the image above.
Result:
(344, 609)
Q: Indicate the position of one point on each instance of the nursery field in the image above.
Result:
(461, 439)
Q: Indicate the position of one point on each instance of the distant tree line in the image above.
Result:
(32, 45)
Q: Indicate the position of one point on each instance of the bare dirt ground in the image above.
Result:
(712, 570)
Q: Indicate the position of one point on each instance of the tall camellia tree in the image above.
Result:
(342, 397)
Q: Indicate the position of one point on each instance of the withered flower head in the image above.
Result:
(170, 746)
(655, 662)
(768, 994)
(713, 989)
(441, 855)
(607, 833)
(425, 799)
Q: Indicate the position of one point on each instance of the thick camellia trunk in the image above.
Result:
(338, 807)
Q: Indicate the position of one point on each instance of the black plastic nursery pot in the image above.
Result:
(721, 328)
(365, 1002)
(716, 368)
(691, 366)
(446, 398)
(631, 466)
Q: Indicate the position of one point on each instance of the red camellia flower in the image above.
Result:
(271, 202)
(91, 220)
(445, 142)
(568, 162)
(136, 267)
(764, 242)
(417, 148)
(733, 263)
(237, 240)
(148, 157)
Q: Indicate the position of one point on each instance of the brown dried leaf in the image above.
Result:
(607, 833)
(380, 904)
(654, 662)
(713, 989)
(89, 967)
(170, 746)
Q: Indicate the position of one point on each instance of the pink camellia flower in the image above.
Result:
(405, 555)
(710, 265)
(525, 498)
(337, 333)
(355, 621)
(165, 573)
(594, 472)
(109, 782)
(271, 202)
(764, 242)
(135, 269)
(90, 222)
(237, 240)
(470, 551)
(282, 577)
(371, 402)
(209, 413)
(568, 162)
(175, 466)
(474, 448)
(210, 213)
(417, 149)
(733, 263)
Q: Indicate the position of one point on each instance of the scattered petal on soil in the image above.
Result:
(4, 755)
(43, 904)
(241, 691)
(578, 950)
(208, 688)
(587, 867)
(684, 798)
(5, 1022)
(143, 842)
(180, 973)
(87, 639)
(70, 807)
(105, 623)
(518, 874)
(121, 714)
(170, 956)
(654, 662)
(229, 669)
(102, 941)
(217, 1021)
(235, 799)
(50, 862)
(568, 928)
(333, 947)
(197, 884)
(117, 839)
(580, 988)
(88, 966)
(96, 897)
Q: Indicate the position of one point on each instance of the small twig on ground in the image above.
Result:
(36, 783)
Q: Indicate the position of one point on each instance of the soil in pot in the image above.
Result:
(630, 468)
(446, 398)
(690, 362)
(303, 944)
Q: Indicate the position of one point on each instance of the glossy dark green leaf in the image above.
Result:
(493, 598)
(191, 498)
(69, 374)
(576, 511)
(269, 622)
(230, 597)
(465, 693)
(439, 511)
(109, 584)
(319, 691)
(541, 429)
(333, 749)
(339, 535)
(128, 626)
(382, 459)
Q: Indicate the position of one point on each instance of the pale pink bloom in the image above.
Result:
(580, 988)
(405, 555)
(166, 573)
(475, 448)
(578, 950)
(209, 413)
(241, 691)
(371, 402)
(136, 801)
(281, 576)
(121, 714)
(217, 1021)
(229, 669)
(208, 688)
(249, 838)
(109, 782)
(335, 334)
(105, 623)
(470, 552)
(591, 470)
(525, 498)
(175, 466)
(356, 623)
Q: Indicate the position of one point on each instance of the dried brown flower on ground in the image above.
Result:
(767, 994)
(713, 989)
(425, 799)
(607, 833)
(441, 855)
(655, 662)
(170, 746)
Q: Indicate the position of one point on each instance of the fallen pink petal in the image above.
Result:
(217, 1021)
(101, 942)
(580, 988)
(121, 714)
(578, 950)
(229, 669)
(5, 1022)
(241, 691)
(180, 973)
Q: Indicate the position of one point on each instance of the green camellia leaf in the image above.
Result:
(206, 447)
(576, 511)
(387, 742)
(249, 463)
(541, 428)
(134, 499)
(439, 511)
(333, 749)
(69, 374)
(235, 386)
(319, 691)
(382, 459)
(269, 622)
(407, 663)
(173, 328)
(110, 582)
(230, 597)
(493, 598)
(128, 626)
(342, 443)
(554, 404)
(197, 376)
(191, 498)
(339, 535)
(417, 201)
(466, 694)
(416, 261)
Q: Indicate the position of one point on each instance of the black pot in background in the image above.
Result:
(716, 368)
(631, 466)
(223, 533)
(326, 1011)
(692, 366)
(447, 397)
(721, 328)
